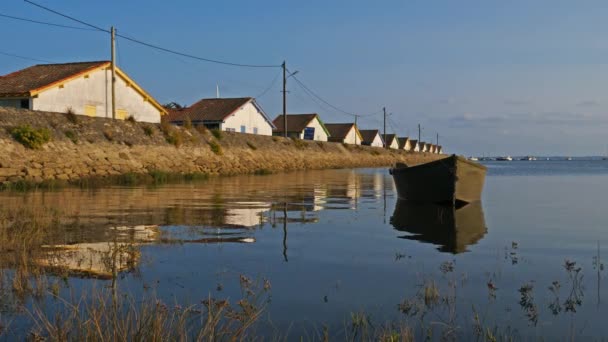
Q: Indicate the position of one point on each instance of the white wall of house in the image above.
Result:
(394, 144)
(91, 95)
(352, 137)
(377, 142)
(247, 119)
(416, 148)
(408, 145)
(320, 134)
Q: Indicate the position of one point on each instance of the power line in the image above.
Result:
(45, 23)
(274, 80)
(196, 57)
(153, 45)
(24, 57)
(67, 16)
(315, 95)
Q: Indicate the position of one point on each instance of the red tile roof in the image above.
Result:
(24, 82)
(369, 135)
(208, 109)
(297, 122)
(390, 138)
(339, 131)
(402, 141)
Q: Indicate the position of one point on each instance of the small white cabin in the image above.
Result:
(82, 88)
(301, 126)
(392, 141)
(241, 114)
(372, 137)
(346, 133)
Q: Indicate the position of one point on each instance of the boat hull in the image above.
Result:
(452, 229)
(452, 180)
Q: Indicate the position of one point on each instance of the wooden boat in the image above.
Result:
(452, 229)
(453, 180)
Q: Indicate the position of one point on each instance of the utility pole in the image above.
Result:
(419, 133)
(113, 65)
(284, 65)
(385, 143)
(437, 139)
(356, 116)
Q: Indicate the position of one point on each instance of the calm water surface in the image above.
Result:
(337, 241)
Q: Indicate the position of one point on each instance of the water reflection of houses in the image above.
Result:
(220, 210)
(117, 251)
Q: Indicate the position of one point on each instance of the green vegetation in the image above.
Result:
(173, 136)
(148, 130)
(262, 172)
(217, 133)
(72, 136)
(251, 146)
(71, 116)
(299, 143)
(216, 148)
(31, 137)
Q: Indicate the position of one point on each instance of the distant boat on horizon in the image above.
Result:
(507, 158)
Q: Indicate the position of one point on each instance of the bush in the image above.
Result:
(300, 144)
(72, 136)
(131, 119)
(217, 133)
(108, 134)
(175, 138)
(261, 172)
(71, 116)
(251, 146)
(31, 137)
(166, 127)
(188, 123)
(148, 131)
(202, 129)
(216, 148)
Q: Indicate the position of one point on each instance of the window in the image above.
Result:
(230, 130)
(121, 114)
(90, 111)
(255, 130)
(243, 129)
(25, 104)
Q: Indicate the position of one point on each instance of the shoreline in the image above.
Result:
(83, 150)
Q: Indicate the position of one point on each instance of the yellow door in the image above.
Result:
(90, 111)
(121, 114)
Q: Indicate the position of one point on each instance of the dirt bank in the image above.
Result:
(82, 148)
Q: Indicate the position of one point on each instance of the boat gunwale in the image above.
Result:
(431, 163)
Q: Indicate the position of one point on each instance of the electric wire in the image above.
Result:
(274, 80)
(157, 47)
(25, 57)
(46, 23)
(319, 98)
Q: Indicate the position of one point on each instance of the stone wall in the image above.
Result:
(98, 147)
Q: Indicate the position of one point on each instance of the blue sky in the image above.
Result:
(509, 77)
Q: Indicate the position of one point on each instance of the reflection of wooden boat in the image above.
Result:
(451, 180)
(450, 228)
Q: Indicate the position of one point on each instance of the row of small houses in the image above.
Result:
(84, 88)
